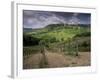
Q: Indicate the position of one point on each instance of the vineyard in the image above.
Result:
(61, 40)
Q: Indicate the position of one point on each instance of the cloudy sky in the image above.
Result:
(40, 19)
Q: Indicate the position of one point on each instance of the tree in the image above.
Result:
(29, 40)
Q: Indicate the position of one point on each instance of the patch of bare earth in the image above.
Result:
(84, 59)
(57, 60)
(32, 61)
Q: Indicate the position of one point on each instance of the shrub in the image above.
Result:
(85, 34)
(29, 40)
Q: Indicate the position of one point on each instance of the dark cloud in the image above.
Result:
(39, 19)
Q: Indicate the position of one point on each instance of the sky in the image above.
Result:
(40, 19)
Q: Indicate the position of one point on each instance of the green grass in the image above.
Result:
(59, 34)
(57, 37)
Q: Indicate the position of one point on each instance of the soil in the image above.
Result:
(55, 60)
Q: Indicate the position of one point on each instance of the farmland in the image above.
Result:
(56, 45)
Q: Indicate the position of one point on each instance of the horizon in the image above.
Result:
(53, 24)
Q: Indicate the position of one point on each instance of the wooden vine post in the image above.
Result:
(44, 62)
(77, 49)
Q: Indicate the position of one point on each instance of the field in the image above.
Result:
(57, 45)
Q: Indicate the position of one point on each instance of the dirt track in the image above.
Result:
(57, 60)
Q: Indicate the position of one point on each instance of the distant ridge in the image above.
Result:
(27, 29)
(55, 26)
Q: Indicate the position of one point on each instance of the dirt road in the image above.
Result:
(57, 60)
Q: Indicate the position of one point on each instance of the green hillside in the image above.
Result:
(56, 38)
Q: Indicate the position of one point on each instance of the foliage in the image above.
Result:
(29, 40)
(67, 39)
